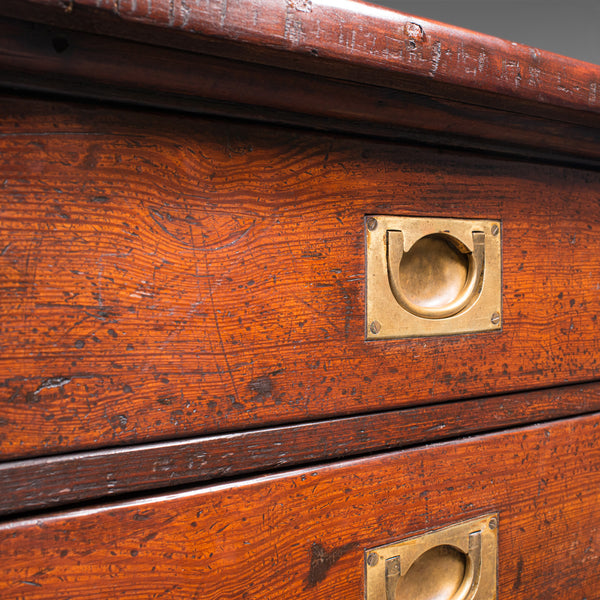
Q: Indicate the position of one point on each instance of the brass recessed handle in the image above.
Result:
(443, 572)
(455, 563)
(438, 276)
(430, 276)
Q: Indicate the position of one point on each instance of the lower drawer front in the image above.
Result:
(303, 534)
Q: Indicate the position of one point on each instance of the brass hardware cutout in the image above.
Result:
(430, 276)
(455, 563)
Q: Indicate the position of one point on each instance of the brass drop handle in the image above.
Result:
(436, 254)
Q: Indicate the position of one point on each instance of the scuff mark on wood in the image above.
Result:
(436, 56)
(414, 31)
(263, 386)
(321, 560)
(47, 384)
(301, 5)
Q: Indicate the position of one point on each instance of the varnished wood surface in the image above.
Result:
(45, 483)
(164, 277)
(315, 35)
(39, 58)
(168, 276)
(302, 534)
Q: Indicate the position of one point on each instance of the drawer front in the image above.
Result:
(303, 534)
(166, 276)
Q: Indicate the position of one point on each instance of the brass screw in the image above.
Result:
(493, 523)
(375, 327)
(495, 229)
(495, 318)
(372, 559)
(371, 223)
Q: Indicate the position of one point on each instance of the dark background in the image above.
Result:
(569, 27)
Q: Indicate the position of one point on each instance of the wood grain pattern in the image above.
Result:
(302, 534)
(309, 33)
(54, 481)
(48, 59)
(172, 276)
(182, 300)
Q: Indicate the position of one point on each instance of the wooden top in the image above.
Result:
(327, 36)
(339, 66)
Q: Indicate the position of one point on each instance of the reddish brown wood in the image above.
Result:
(49, 482)
(46, 59)
(170, 276)
(303, 534)
(166, 277)
(347, 39)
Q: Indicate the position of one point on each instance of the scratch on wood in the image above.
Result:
(533, 79)
(301, 5)
(593, 93)
(292, 29)
(53, 382)
(482, 60)
(393, 48)
(224, 8)
(435, 57)
(511, 71)
(185, 12)
(47, 384)
(171, 12)
(564, 90)
(216, 320)
(470, 64)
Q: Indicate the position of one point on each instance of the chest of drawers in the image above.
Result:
(195, 403)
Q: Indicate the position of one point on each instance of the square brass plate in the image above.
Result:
(458, 562)
(399, 255)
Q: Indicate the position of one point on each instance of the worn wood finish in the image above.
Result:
(182, 300)
(53, 481)
(348, 40)
(302, 534)
(172, 276)
(46, 59)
